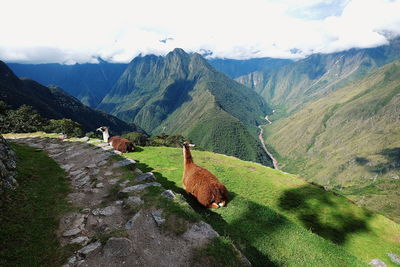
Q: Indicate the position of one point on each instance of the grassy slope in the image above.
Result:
(271, 212)
(29, 216)
(349, 140)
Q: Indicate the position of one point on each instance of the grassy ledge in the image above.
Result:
(30, 214)
(278, 219)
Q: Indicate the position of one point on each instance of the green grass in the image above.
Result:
(277, 218)
(30, 214)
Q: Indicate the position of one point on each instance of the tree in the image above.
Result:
(65, 126)
(137, 138)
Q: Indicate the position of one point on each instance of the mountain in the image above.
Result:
(235, 68)
(183, 94)
(53, 103)
(87, 82)
(288, 88)
(348, 140)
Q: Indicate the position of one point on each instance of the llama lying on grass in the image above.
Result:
(201, 183)
(118, 143)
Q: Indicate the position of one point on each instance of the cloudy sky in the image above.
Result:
(70, 31)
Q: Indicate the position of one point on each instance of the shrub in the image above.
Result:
(65, 126)
(22, 120)
(137, 138)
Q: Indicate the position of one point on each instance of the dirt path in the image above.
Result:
(111, 231)
(260, 136)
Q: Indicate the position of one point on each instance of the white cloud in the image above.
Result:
(69, 31)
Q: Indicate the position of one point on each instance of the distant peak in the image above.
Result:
(179, 51)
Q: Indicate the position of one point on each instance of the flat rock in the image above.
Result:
(90, 166)
(72, 232)
(377, 263)
(108, 173)
(117, 247)
(130, 223)
(83, 240)
(67, 167)
(83, 181)
(158, 217)
(84, 139)
(139, 187)
(124, 183)
(139, 171)
(91, 248)
(124, 162)
(100, 185)
(113, 181)
(136, 200)
(168, 194)
(146, 177)
(107, 211)
(394, 258)
(201, 232)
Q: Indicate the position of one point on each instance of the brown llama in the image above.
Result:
(117, 142)
(201, 183)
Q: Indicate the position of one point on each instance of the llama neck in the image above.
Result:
(106, 135)
(187, 156)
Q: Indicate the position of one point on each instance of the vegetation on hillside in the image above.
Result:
(277, 219)
(348, 140)
(25, 120)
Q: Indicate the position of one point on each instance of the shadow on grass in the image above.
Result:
(251, 220)
(322, 214)
(392, 156)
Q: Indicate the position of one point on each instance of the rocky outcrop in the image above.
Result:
(8, 165)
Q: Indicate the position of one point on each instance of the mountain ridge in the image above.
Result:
(178, 92)
(54, 103)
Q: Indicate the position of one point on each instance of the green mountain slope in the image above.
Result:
(288, 88)
(277, 219)
(182, 93)
(349, 140)
(87, 82)
(53, 103)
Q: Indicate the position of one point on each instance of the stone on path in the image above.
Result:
(168, 194)
(124, 162)
(136, 200)
(129, 224)
(72, 232)
(158, 217)
(377, 263)
(117, 247)
(91, 248)
(394, 257)
(82, 240)
(139, 187)
(100, 185)
(107, 211)
(148, 177)
(113, 181)
(200, 231)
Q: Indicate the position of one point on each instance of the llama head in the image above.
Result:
(105, 132)
(187, 144)
(102, 129)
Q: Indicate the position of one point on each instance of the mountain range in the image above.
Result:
(182, 94)
(87, 82)
(289, 87)
(54, 103)
(348, 140)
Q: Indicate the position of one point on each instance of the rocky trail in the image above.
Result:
(131, 231)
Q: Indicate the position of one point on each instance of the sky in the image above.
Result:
(79, 31)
